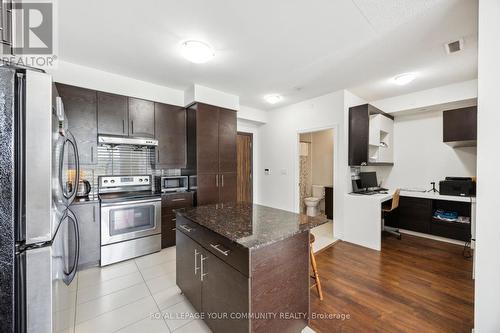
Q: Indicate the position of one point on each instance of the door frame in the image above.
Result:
(336, 169)
(251, 161)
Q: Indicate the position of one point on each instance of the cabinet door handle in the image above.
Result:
(203, 274)
(217, 180)
(217, 247)
(174, 229)
(179, 199)
(93, 213)
(92, 154)
(123, 126)
(158, 154)
(132, 124)
(222, 180)
(174, 219)
(183, 227)
(196, 268)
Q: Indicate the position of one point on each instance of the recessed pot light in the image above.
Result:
(197, 51)
(404, 78)
(273, 98)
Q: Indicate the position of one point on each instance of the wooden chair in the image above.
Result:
(315, 275)
(389, 208)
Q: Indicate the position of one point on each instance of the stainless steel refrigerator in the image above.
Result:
(39, 238)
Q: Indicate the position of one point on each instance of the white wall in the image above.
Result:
(487, 288)
(278, 149)
(91, 78)
(460, 94)
(421, 157)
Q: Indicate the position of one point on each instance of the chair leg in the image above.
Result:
(391, 230)
(315, 271)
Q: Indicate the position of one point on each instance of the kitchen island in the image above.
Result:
(245, 267)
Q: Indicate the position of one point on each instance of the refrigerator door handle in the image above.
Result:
(70, 274)
(70, 197)
(20, 171)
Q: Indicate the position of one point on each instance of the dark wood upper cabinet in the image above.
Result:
(363, 124)
(215, 154)
(207, 139)
(358, 135)
(141, 118)
(460, 127)
(112, 114)
(170, 131)
(80, 107)
(227, 140)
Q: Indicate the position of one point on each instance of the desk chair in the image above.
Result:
(389, 208)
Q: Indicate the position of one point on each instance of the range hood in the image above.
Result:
(120, 140)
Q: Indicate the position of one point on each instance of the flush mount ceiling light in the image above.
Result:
(197, 51)
(404, 78)
(273, 98)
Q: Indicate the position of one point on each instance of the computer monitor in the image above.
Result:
(368, 179)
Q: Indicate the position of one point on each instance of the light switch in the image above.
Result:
(267, 172)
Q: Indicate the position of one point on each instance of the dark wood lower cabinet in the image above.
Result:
(219, 280)
(170, 202)
(416, 214)
(227, 282)
(188, 269)
(228, 184)
(89, 227)
(216, 188)
(208, 189)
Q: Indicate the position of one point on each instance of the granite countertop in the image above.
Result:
(252, 226)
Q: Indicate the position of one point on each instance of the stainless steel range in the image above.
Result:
(130, 217)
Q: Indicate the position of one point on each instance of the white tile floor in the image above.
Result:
(125, 296)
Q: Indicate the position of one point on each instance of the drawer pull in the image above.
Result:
(185, 228)
(179, 199)
(174, 219)
(174, 229)
(203, 274)
(217, 247)
(196, 268)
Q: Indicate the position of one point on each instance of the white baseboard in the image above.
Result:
(437, 238)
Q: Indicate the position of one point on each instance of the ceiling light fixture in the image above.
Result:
(404, 78)
(197, 51)
(273, 98)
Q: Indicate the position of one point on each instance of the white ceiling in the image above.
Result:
(299, 48)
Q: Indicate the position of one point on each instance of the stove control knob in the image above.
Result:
(140, 180)
(105, 181)
(146, 180)
(112, 180)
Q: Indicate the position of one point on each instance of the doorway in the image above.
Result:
(244, 147)
(316, 180)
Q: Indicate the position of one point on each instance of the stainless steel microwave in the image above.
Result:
(172, 183)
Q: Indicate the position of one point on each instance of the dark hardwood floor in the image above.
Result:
(412, 285)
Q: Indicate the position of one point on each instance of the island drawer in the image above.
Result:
(231, 253)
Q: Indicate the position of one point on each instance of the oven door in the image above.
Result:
(129, 220)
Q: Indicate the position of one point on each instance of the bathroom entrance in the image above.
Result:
(316, 173)
(316, 181)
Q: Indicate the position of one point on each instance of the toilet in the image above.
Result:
(312, 203)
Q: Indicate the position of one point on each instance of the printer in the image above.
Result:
(458, 186)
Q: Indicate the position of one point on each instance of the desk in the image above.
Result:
(363, 221)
